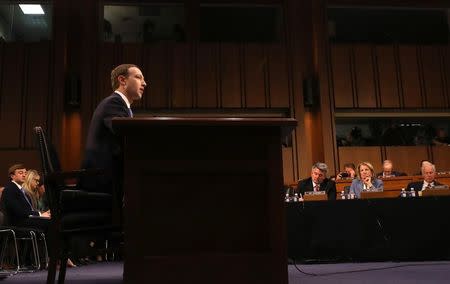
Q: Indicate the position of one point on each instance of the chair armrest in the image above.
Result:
(61, 177)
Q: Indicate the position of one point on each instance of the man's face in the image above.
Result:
(19, 176)
(317, 175)
(387, 168)
(134, 84)
(428, 173)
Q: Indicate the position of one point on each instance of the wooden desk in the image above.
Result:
(315, 197)
(392, 186)
(202, 200)
(435, 192)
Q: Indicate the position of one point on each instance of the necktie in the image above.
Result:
(317, 187)
(131, 113)
(26, 197)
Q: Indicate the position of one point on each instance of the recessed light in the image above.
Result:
(32, 9)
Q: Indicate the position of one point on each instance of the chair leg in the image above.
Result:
(62, 269)
(34, 245)
(51, 274)
(32, 239)
(45, 249)
(16, 251)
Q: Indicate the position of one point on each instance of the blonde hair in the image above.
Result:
(28, 186)
(367, 164)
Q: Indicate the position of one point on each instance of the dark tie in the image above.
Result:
(27, 198)
(131, 113)
(317, 187)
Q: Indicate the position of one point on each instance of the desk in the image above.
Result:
(203, 201)
(370, 230)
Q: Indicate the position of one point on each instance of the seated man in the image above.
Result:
(388, 170)
(429, 174)
(348, 173)
(318, 182)
(17, 205)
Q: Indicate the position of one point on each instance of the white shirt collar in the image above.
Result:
(124, 98)
(426, 184)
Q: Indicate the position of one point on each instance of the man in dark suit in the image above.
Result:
(103, 145)
(388, 171)
(429, 175)
(318, 182)
(16, 204)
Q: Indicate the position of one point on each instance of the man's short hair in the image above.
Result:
(117, 71)
(15, 167)
(320, 166)
(350, 165)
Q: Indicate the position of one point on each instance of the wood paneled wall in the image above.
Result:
(218, 76)
(405, 158)
(196, 76)
(390, 76)
(25, 101)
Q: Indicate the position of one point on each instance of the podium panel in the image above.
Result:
(204, 200)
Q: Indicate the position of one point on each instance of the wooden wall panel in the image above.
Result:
(446, 62)
(432, 66)
(407, 158)
(26, 79)
(388, 76)
(288, 173)
(230, 75)
(255, 76)
(410, 79)
(133, 53)
(278, 76)
(105, 64)
(37, 90)
(342, 76)
(12, 95)
(358, 154)
(206, 81)
(365, 77)
(441, 157)
(181, 75)
(157, 92)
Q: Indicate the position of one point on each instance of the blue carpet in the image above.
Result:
(348, 273)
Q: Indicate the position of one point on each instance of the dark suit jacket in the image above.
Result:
(15, 205)
(327, 185)
(104, 146)
(417, 185)
(393, 173)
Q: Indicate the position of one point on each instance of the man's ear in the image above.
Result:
(121, 79)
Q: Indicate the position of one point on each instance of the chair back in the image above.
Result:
(49, 164)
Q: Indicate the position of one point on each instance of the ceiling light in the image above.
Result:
(31, 9)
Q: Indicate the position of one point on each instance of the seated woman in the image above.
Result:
(365, 180)
(35, 191)
(31, 186)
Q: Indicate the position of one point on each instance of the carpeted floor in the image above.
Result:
(348, 273)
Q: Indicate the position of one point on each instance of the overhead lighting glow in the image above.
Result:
(32, 9)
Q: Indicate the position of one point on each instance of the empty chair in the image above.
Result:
(74, 212)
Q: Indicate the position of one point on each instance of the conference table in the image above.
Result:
(414, 228)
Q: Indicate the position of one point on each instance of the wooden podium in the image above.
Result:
(204, 200)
